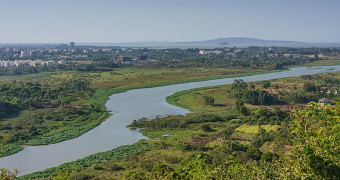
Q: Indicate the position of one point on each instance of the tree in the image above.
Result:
(6, 174)
(261, 137)
(309, 87)
(208, 100)
(239, 84)
(316, 145)
(266, 84)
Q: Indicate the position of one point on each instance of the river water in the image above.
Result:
(126, 107)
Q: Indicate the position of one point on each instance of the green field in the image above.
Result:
(254, 129)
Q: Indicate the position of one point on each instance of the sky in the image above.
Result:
(116, 21)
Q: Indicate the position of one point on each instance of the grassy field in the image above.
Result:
(330, 62)
(254, 129)
(133, 77)
(193, 99)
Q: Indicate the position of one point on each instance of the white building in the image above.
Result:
(24, 54)
(62, 62)
(7, 64)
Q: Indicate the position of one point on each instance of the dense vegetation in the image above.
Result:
(307, 147)
(251, 96)
(35, 114)
(95, 67)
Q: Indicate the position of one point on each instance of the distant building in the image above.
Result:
(72, 46)
(142, 58)
(24, 54)
(47, 63)
(20, 63)
(7, 64)
(33, 53)
(202, 52)
(123, 59)
(62, 62)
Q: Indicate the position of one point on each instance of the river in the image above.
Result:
(126, 107)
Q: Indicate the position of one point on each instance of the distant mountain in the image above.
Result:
(239, 41)
(148, 42)
(220, 42)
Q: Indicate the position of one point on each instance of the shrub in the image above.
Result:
(206, 128)
(254, 153)
(97, 167)
(208, 100)
(81, 176)
(116, 167)
(268, 156)
(173, 159)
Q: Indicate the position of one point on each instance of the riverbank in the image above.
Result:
(136, 79)
(131, 105)
(331, 62)
(185, 135)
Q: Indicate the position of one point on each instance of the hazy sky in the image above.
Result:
(173, 20)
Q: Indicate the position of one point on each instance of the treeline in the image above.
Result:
(36, 95)
(252, 96)
(245, 93)
(35, 114)
(97, 66)
(218, 61)
(179, 121)
(252, 57)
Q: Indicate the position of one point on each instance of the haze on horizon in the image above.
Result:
(107, 21)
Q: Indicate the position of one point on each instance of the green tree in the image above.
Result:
(266, 84)
(208, 100)
(309, 87)
(316, 132)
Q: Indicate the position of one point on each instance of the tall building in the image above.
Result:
(33, 53)
(24, 53)
(72, 45)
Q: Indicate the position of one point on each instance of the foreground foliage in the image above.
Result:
(314, 154)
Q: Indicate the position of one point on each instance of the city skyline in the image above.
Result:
(105, 21)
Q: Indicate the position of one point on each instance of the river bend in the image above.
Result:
(126, 107)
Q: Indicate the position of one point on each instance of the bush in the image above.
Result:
(160, 170)
(309, 87)
(254, 153)
(116, 167)
(97, 167)
(206, 128)
(261, 137)
(266, 84)
(208, 100)
(81, 176)
(173, 159)
(268, 156)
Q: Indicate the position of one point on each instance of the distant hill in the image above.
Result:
(240, 41)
